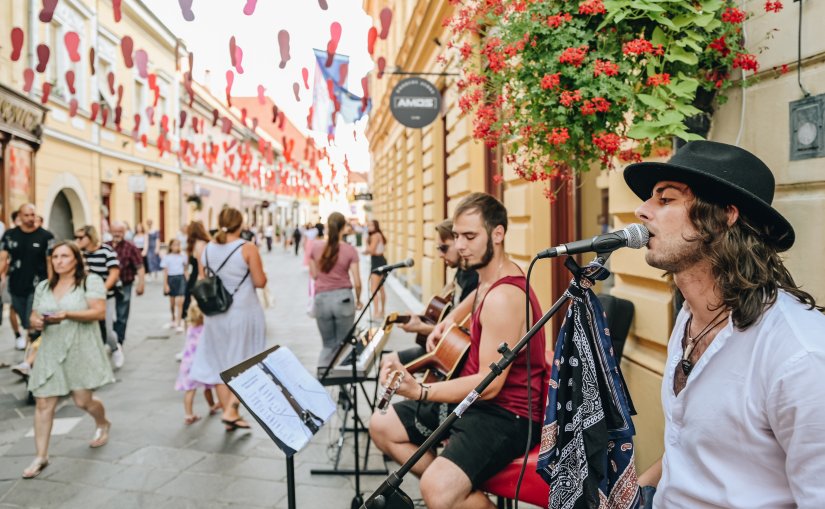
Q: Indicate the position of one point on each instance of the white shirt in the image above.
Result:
(748, 429)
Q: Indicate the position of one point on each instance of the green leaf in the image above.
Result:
(645, 6)
(681, 133)
(662, 20)
(686, 109)
(670, 117)
(652, 101)
(643, 130)
(658, 36)
(684, 87)
(711, 5)
(703, 19)
(683, 21)
(677, 53)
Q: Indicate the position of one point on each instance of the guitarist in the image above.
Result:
(493, 431)
(464, 283)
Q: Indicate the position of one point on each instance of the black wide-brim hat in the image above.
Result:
(722, 174)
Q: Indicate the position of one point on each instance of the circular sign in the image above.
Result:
(415, 102)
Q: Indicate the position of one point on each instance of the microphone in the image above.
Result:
(409, 262)
(634, 236)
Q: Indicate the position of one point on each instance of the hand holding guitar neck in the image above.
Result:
(393, 383)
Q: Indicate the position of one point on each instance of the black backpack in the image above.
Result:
(212, 296)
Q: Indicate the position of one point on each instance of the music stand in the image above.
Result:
(269, 386)
(351, 339)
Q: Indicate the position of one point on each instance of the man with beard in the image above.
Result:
(494, 430)
(464, 282)
(742, 392)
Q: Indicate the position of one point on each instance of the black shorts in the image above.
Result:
(481, 443)
(377, 261)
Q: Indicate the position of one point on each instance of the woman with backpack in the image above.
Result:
(237, 333)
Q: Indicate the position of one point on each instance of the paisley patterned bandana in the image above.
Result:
(586, 450)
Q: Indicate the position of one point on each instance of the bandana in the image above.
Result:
(586, 453)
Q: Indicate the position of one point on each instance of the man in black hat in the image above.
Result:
(742, 392)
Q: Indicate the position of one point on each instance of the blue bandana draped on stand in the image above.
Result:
(586, 453)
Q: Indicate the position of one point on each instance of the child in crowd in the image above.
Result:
(174, 285)
(184, 383)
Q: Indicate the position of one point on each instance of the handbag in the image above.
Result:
(212, 296)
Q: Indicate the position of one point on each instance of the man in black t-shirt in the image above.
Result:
(24, 252)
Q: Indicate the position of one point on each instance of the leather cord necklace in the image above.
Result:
(690, 344)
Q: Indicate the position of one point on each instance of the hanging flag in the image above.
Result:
(586, 453)
(329, 94)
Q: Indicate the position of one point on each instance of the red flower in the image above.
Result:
(733, 15)
(592, 7)
(605, 67)
(773, 6)
(550, 81)
(573, 56)
(466, 50)
(746, 62)
(784, 68)
(720, 45)
(568, 98)
(607, 142)
(558, 136)
(630, 156)
(556, 20)
(658, 79)
(498, 179)
(637, 47)
(591, 106)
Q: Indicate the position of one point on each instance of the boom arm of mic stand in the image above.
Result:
(390, 485)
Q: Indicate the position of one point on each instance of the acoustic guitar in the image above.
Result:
(447, 357)
(438, 307)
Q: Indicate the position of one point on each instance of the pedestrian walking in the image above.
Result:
(151, 251)
(269, 233)
(24, 253)
(174, 283)
(19, 339)
(139, 239)
(334, 267)
(102, 260)
(183, 382)
(71, 359)
(131, 270)
(197, 238)
(296, 239)
(238, 333)
(375, 248)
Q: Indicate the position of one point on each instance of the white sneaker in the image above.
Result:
(179, 356)
(118, 358)
(170, 325)
(179, 328)
(20, 343)
(23, 369)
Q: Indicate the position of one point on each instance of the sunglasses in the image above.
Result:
(443, 248)
(79, 237)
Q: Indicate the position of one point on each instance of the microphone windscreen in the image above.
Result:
(637, 236)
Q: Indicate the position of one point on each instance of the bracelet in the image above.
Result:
(420, 391)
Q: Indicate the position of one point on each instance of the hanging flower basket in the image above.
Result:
(566, 86)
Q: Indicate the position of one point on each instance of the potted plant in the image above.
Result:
(565, 86)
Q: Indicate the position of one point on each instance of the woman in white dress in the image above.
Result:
(239, 333)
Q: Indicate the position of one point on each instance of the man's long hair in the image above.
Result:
(746, 265)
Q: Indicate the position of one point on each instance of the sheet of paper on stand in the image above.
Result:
(307, 391)
(268, 402)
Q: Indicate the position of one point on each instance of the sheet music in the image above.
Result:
(264, 398)
(306, 389)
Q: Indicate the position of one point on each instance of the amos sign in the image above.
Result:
(415, 102)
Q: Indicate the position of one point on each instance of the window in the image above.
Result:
(139, 106)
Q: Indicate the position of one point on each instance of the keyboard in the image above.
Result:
(367, 350)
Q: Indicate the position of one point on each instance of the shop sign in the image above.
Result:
(20, 116)
(415, 102)
(137, 183)
(364, 196)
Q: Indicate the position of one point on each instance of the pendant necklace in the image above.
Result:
(687, 365)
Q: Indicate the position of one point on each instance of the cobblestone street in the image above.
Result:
(153, 459)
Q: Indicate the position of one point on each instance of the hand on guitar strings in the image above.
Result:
(438, 331)
(409, 388)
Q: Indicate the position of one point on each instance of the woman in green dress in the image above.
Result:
(71, 359)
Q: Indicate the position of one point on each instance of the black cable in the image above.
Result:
(805, 93)
(527, 320)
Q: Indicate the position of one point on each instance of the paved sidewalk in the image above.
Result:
(153, 459)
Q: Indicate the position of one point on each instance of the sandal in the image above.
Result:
(191, 419)
(101, 436)
(214, 409)
(34, 469)
(238, 423)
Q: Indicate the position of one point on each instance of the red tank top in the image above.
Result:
(513, 395)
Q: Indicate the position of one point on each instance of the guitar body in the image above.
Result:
(445, 360)
(437, 309)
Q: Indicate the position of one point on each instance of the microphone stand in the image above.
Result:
(352, 340)
(389, 495)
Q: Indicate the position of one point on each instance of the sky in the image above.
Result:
(216, 21)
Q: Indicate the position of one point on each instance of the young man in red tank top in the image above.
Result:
(493, 431)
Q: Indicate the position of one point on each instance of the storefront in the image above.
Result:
(21, 122)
